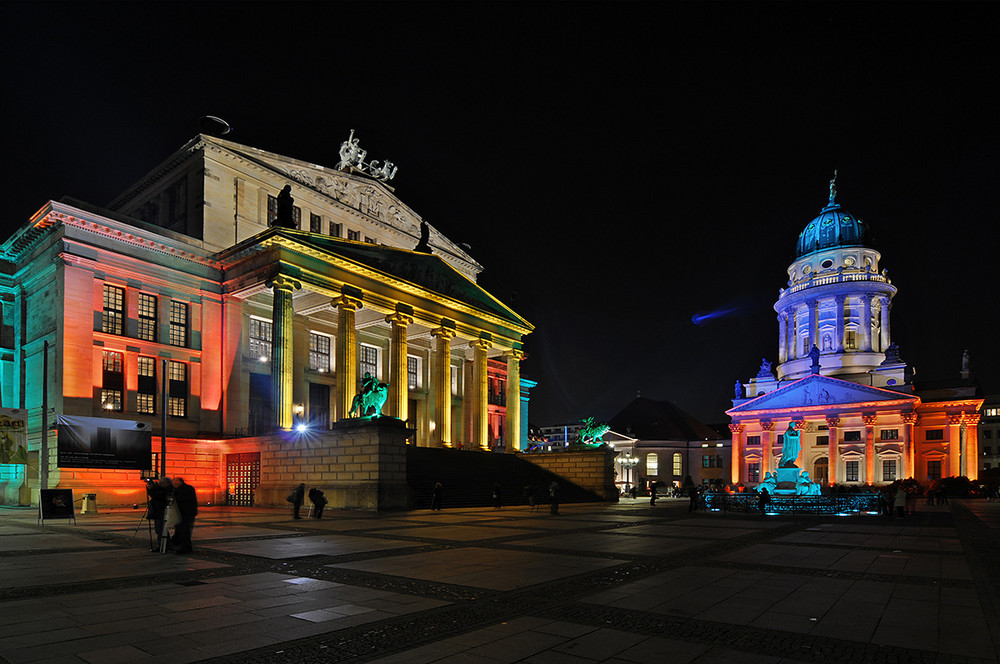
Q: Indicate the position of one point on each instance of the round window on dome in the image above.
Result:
(848, 261)
(807, 269)
(827, 263)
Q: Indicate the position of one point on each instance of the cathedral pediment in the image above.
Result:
(822, 393)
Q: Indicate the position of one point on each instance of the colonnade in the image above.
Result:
(346, 358)
(791, 319)
(962, 447)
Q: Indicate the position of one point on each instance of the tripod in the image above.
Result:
(149, 526)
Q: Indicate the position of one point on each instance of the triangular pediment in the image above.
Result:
(822, 392)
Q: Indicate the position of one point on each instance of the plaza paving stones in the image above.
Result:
(300, 547)
(624, 583)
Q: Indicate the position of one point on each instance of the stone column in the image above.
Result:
(909, 419)
(971, 469)
(782, 337)
(813, 324)
(512, 432)
(954, 445)
(347, 353)
(766, 434)
(838, 303)
(398, 383)
(281, 349)
(884, 339)
(833, 449)
(870, 421)
(737, 474)
(441, 384)
(866, 323)
(793, 336)
(480, 433)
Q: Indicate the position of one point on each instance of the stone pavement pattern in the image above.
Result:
(600, 583)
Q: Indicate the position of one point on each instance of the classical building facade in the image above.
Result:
(191, 297)
(840, 380)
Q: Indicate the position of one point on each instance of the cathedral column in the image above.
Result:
(972, 446)
(870, 421)
(832, 449)
(793, 337)
(838, 303)
(766, 433)
(281, 349)
(954, 445)
(512, 432)
(813, 324)
(347, 353)
(398, 401)
(737, 473)
(782, 337)
(441, 382)
(884, 339)
(866, 323)
(909, 419)
(480, 387)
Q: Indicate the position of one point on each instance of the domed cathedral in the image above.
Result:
(837, 300)
(840, 381)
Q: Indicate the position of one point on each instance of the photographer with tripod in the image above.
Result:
(158, 494)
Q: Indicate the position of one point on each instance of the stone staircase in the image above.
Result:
(467, 479)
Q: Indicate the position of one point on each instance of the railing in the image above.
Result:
(833, 279)
(838, 503)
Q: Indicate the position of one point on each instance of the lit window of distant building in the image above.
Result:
(934, 469)
(113, 383)
(319, 352)
(851, 469)
(368, 361)
(147, 317)
(178, 389)
(113, 317)
(652, 464)
(178, 323)
(146, 385)
(889, 470)
(260, 339)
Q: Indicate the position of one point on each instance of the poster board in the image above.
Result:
(98, 442)
(13, 436)
(56, 504)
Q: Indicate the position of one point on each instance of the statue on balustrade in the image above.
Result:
(791, 447)
(373, 395)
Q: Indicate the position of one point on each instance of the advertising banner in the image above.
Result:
(13, 436)
(97, 442)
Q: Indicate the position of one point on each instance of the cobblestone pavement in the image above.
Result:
(599, 583)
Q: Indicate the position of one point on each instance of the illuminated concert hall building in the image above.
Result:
(840, 380)
(188, 294)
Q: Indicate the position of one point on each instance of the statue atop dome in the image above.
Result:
(833, 190)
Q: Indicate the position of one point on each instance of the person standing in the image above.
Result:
(159, 493)
(899, 501)
(298, 497)
(319, 502)
(436, 497)
(763, 498)
(186, 500)
(693, 495)
(652, 492)
(554, 498)
(497, 499)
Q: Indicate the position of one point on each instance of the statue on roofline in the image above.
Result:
(285, 205)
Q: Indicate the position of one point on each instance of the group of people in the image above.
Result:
(298, 497)
(173, 503)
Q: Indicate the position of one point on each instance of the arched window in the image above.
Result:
(678, 464)
(652, 464)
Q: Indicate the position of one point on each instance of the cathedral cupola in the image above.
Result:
(837, 301)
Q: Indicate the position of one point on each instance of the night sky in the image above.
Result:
(617, 169)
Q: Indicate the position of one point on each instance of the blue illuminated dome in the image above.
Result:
(834, 227)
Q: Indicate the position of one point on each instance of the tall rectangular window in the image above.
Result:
(353, 235)
(146, 385)
(678, 464)
(889, 470)
(851, 470)
(113, 318)
(718, 461)
(177, 384)
(113, 383)
(319, 352)
(315, 223)
(260, 339)
(178, 323)
(336, 230)
(934, 469)
(412, 372)
(753, 472)
(368, 361)
(272, 212)
(652, 464)
(705, 461)
(147, 317)
(850, 340)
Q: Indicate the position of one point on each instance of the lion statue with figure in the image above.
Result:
(373, 395)
(591, 433)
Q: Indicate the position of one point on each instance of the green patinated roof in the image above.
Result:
(834, 227)
(425, 270)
